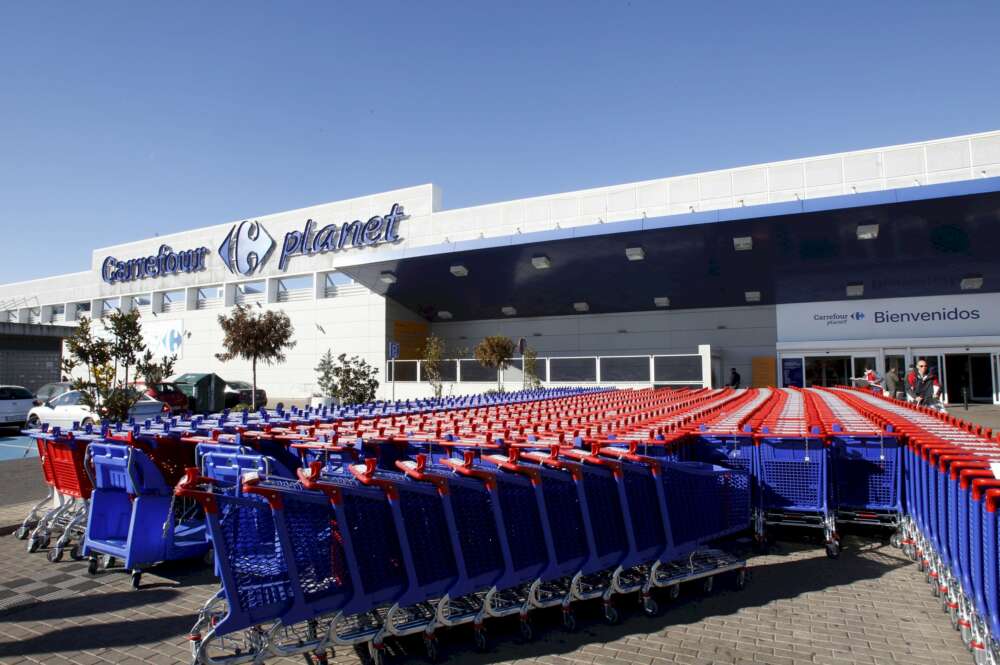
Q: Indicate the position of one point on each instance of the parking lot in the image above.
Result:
(869, 607)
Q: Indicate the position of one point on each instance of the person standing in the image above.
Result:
(734, 378)
(891, 382)
(922, 387)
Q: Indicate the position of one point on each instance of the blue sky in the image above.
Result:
(119, 120)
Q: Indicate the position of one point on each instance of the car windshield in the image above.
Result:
(239, 385)
(187, 378)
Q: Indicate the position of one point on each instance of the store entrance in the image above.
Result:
(970, 371)
(828, 370)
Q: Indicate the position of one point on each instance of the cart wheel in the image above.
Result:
(611, 614)
(92, 566)
(650, 607)
(34, 544)
(920, 565)
(136, 579)
(75, 554)
(674, 591)
(741, 579)
(54, 555)
(833, 550)
(45, 540)
(22, 533)
(107, 561)
(953, 616)
(708, 584)
(896, 540)
(527, 633)
(569, 620)
(481, 641)
(431, 651)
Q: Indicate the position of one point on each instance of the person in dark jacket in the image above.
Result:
(891, 382)
(734, 379)
(922, 387)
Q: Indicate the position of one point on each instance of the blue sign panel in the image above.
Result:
(163, 263)
(792, 373)
(393, 350)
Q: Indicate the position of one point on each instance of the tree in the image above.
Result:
(432, 354)
(257, 337)
(351, 380)
(327, 380)
(495, 352)
(126, 340)
(530, 369)
(153, 372)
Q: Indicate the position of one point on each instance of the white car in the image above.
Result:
(15, 402)
(69, 408)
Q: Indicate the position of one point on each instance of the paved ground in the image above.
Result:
(870, 607)
(981, 414)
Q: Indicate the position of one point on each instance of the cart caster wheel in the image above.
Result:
(833, 550)
(674, 591)
(569, 621)
(92, 566)
(107, 562)
(136, 579)
(611, 614)
(708, 585)
(54, 555)
(481, 642)
(650, 607)
(431, 651)
(920, 565)
(22, 533)
(46, 539)
(896, 540)
(741, 579)
(527, 633)
(953, 617)
(75, 554)
(34, 544)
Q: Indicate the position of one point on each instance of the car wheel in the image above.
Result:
(86, 421)
(34, 422)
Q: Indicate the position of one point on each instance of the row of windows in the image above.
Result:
(206, 297)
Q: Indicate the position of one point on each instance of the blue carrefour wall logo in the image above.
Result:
(858, 316)
(246, 248)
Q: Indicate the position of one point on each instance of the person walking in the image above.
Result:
(922, 386)
(734, 378)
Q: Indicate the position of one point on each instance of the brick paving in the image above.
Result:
(870, 607)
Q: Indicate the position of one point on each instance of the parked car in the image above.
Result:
(167, 393)
(69, 408)
(51, 391)
(241, 392)
(15, 402)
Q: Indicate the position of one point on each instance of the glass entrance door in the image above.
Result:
(995, 358)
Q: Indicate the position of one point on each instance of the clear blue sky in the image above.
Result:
(119, 120)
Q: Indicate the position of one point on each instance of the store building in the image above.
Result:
(802, 271)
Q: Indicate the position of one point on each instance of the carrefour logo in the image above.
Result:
(246, 248)
(858, 316)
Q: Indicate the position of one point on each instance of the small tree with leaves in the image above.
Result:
(531, 368)
(495, 352)
(354, 380)
(326, 376)
(257, 337)
(155, 371)
(126, 341)
(432, 353)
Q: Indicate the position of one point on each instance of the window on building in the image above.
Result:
(142, 302)
(80, 309)
(58, 313)
(334, 280)
(211, 296)
(173, 300)
(250, 292)
(110, 305)
(295, 288)
(35, 315)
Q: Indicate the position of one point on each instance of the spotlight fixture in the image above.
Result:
(444, 314)
(972, 282)
(581, 307)
(508, 310)
(541, 262)
(855, 289)
(742, 243)
(387, 277)
(662, 301)
(459, 270)
(752, 296)
(635, 253)
(867, 231)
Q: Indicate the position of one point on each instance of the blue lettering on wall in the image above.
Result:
(944, 314)
(163, 263)
(310, 240)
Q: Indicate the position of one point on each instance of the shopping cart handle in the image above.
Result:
(415, 470)
(188, 487)
(251, 485)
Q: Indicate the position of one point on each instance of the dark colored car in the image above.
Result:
(166, 392)
(241, 392)
(51, 391)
